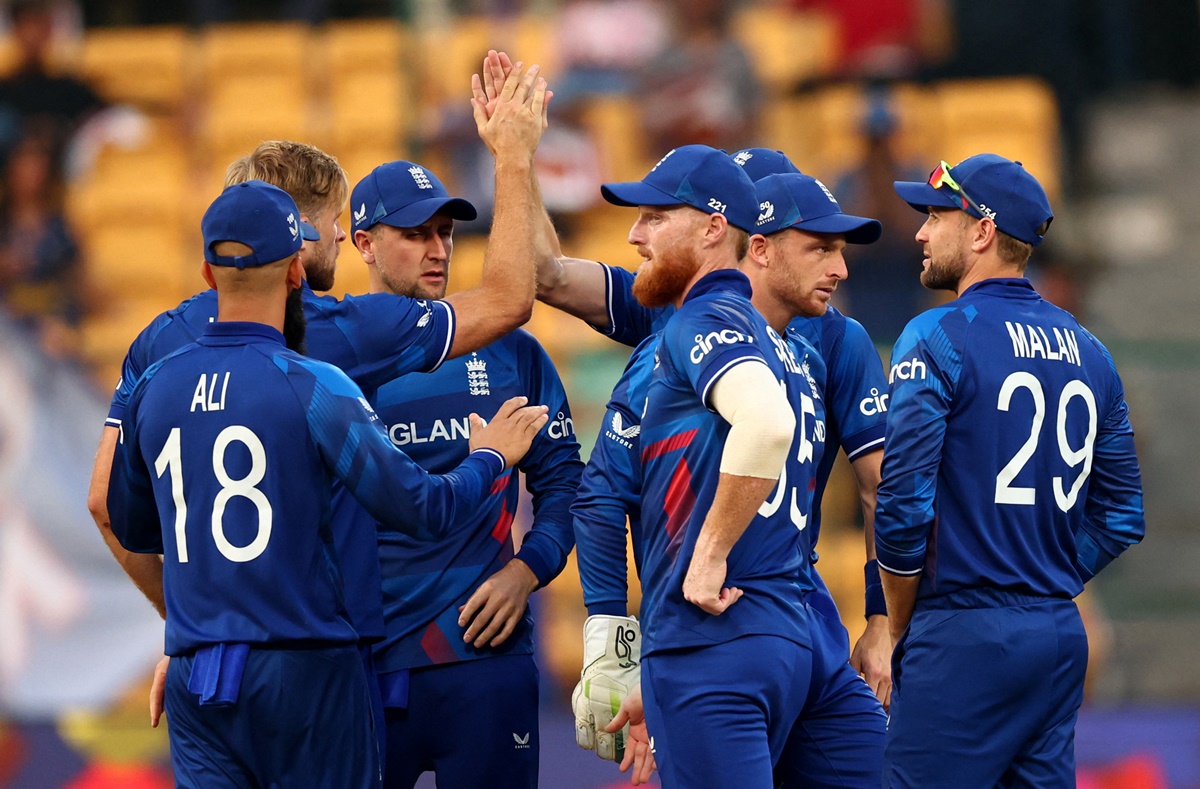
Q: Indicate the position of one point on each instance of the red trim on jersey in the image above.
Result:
(437, 646)
(680, 499)
(668, 444)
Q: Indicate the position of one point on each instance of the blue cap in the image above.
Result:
(697, 176)
(761, 162)
(259, 215)
(403, 194)
(1004, 189)
(803, 202)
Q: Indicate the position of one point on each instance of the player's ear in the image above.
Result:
(716, 229)
(759, 254)
(983, 235)
(295, 274)
(365, 243)
(206, 273)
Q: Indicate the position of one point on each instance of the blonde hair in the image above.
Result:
(312, 177)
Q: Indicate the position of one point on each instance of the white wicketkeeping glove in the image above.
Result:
(612, 666)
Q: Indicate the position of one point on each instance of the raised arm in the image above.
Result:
(503, 300)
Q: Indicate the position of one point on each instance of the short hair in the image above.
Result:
(312, 177)
(741, 242)
(1012, 250)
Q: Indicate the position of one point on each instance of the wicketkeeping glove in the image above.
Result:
(612, 666)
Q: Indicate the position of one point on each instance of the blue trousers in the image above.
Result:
(720, 714)
(301, 719)
(987, 687)
(474, 724)
(838, 739)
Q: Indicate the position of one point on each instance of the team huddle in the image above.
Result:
(318, 494)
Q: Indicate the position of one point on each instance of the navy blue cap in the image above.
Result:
(696, 176)
(1004, 189)
(761, 162)
(403, 194)
(259, 215)
(801, 201)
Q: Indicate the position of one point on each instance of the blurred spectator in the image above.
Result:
(701, 88)
(601, 46)
(41, 272)
(884, 290)
(32, 93)
(878, 38)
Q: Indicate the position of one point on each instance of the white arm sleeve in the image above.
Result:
(762, 423)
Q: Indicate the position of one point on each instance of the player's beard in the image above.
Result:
(663, 280)
(294, 322)
(320, 267)
(945, 271)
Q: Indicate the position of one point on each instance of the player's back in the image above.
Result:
(242, 492)
(1033, 398)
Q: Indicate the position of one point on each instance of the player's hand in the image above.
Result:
(513, 124)
(158, 688)
(704, 585)
(639, 748)
(511, 431)
(497, 606)
(486, 88)
(872, 658)
(612, 668)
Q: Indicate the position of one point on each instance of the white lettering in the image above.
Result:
(875, 404)
(404, 433)
(205, 395)
(706, 342)
(1031, 342)
(561, 427)
(910, 369)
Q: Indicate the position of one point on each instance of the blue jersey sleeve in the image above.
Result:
(137, 360)
(628, 321)
(856, 391)
(1114, 514)
(391, 486)
(378, 337)
(132, 509)
(706, 338)
(926, 364)
(552, 469)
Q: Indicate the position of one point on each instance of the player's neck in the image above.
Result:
(251, 308)
(987, 267)
(715, 262)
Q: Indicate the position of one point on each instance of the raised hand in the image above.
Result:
(511, 431)
(510, 105)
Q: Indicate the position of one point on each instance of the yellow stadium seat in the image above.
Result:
(615, 123)
(1015, 118)
(255, 50)
(786, 46)
(365, 46)
(449, 56)
(369, 109)
(243, 111)
(144, 66)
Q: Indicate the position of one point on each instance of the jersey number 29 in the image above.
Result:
(1006, 493)
(171, 459)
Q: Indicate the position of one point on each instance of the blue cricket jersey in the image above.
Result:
(682, 441)
(373, 339)
(424, 583)
(855, 386)
(226, 465)
(1009, 461)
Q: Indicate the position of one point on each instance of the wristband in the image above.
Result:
(875, 605)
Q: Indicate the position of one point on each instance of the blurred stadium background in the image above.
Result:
(119, 117)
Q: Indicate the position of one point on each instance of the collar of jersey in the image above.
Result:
(1013, 287)
(225, 332)
(723, 280)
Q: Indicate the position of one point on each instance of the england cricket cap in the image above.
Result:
(801, 201)
(259, 215)
(403, 194)
(761, 162)
(697, 176)
(986, 185)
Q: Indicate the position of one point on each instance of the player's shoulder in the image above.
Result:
(328, 376)
(189, 318)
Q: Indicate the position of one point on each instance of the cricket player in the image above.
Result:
(459, 679)
(245, 437)
(1009, 480)
(794, 264)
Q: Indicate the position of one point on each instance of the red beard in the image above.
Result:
(663, 281)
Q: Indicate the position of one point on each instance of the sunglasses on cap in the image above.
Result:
(941, 177)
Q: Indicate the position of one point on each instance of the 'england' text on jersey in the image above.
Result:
(1031, 342)
(403, 433)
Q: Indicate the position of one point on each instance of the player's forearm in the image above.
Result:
(508, 267)
(144, 569)
(734, 506)
(900, 592)
(867, 471)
